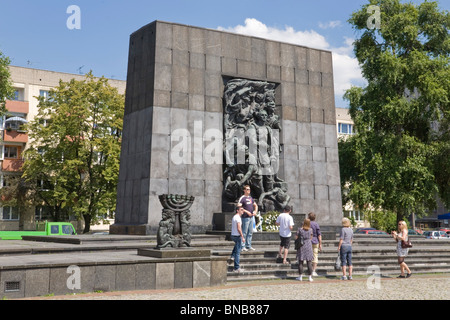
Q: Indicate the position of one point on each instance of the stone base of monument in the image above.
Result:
(186, 267)
(132, 229)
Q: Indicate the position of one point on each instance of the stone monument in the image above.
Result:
(193, 94)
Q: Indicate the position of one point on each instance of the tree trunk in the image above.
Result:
(87, 223)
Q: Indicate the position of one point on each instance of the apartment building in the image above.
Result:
(28, 84)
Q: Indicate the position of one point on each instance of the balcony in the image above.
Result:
(12, 165)
(11, 135)
(17, 106)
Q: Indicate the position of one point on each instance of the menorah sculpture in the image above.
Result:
(174, 228)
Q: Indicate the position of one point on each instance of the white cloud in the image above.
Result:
(256, 28)
(345, 67)
(330, 24)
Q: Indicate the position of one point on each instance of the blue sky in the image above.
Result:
(34, 33)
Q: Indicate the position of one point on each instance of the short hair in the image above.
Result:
(312, 216)
(287, 208)
(306, 224)
(238, 205)
(346, 222)
(246, 186)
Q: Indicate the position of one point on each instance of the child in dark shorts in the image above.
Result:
(286, 223)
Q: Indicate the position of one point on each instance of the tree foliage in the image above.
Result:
(75, 146)
(399, 158)
(6, 89)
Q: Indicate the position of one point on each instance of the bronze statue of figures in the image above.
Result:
(252, 143)
(174, 228)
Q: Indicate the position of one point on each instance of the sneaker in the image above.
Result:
(400, 276)
(245, 249)
(310, 279)
(315, 274)
(299, 278)
(408, 275)
(238, 270)
(252, 249)
(350, 278)
(343, 278)
(232, 258)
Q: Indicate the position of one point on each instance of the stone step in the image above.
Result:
(329, 272)
(327, 243)
(363, 253)
(330, 263)
(427, 256)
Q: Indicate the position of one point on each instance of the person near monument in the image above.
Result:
(286, 223)
(237, 237)
(402, 235)
(250, 210)
(345, 248)
(316, 241)
(305, 252)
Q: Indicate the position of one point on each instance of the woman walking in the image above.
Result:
(305, 252)
(345, 249)
(402, 235)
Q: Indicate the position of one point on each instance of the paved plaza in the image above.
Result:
(418, 287)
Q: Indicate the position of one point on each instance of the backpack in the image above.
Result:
(299, 242)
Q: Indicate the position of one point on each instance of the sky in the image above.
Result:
(50, 35)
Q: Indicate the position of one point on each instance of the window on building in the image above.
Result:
(5, 181)
(18, 94)
(44, 94)
(15, 125)
(355, 214)
(345, 128)
(42, 213)
(44, 185)
(10, 213)
(10, 152)
(45, 122)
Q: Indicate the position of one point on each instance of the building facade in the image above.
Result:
(28, 85)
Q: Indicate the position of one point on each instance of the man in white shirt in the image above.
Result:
(237, 236)
(286, 223)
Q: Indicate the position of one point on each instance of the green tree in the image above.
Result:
(398, 159)
(6, 89)
(75, 146)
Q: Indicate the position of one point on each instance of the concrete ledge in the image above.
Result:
(43, 274)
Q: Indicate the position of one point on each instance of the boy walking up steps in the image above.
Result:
(286, 223)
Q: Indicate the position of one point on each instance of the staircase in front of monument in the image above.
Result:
(370, 254)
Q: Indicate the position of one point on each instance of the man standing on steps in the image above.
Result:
(250, 210)
(316, 241)
(237, 237)
(286, 223)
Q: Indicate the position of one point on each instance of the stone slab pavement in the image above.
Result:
(418, 287)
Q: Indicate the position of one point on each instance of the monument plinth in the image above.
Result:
(207, 111)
